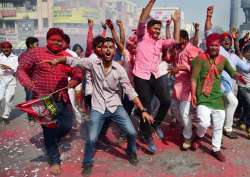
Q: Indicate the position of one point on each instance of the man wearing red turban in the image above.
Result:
(8, 66)
(207, 94)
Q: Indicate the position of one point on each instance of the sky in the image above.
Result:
(195, 10)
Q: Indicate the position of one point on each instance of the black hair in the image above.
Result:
(184, 34)
(30, 41)
(75, 46)
(109, 39)
(66, 38)
(153, 22)
(98, 40)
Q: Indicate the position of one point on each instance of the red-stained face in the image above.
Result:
(108, 51)
(6, 49)
(226, 43)
(213, 48)
(54, 43)
(155, 31)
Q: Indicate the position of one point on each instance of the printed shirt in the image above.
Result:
(200, 68)
(45, 78)
(148, 53)
(182, 86)
(7, 76)
(106, 89)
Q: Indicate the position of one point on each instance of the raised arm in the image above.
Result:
(168, 33)
(90, 37)
(114, 35)
(146, 11)
(195, 41)
(235, 36)
(208, 23)
(176, 19)
(122, 31)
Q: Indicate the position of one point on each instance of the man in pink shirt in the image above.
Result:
(147, 78)
(181, 97)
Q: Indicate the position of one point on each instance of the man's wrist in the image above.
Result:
(143, 110)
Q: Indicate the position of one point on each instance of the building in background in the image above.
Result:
(125, 10)
(23, 18)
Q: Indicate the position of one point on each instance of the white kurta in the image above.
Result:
(8, 82)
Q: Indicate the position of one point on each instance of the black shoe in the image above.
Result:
(231, 135)
(133, 160)
(87, 169)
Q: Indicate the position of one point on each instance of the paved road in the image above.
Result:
(22, 154)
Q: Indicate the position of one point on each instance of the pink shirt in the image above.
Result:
(182, 86)
(148, 53)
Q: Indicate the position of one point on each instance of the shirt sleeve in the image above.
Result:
(229, 69)
(167, 43)
(242, 65)
(141, 30)
(81, 62)
(26, 63)
(196, 68)
(126, 85)
(77, 74)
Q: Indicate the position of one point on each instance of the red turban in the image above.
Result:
(224, 35)
(213, 37)
(6, 44)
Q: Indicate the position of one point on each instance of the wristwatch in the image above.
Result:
(144, 110)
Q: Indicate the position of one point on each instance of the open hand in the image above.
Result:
(147, 117)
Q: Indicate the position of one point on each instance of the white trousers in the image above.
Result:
(181, 111)
(7, 93)
(231, 103)
(72, 97)
(206, 116)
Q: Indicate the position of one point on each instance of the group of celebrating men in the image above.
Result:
(120, 75)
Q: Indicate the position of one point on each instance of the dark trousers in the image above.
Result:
(244, 98)
(52, 136)
(146, 89)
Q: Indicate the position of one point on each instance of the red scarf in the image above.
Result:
(212, 73)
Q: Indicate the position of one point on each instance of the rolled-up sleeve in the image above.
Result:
(81, 62)
(126, 85)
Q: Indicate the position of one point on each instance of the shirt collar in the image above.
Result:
(114, 64)
(11, 55)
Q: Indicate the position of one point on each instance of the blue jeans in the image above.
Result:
(52, 136)
(121, 118)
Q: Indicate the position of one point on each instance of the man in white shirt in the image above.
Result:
(8, 66)
(74, 93)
